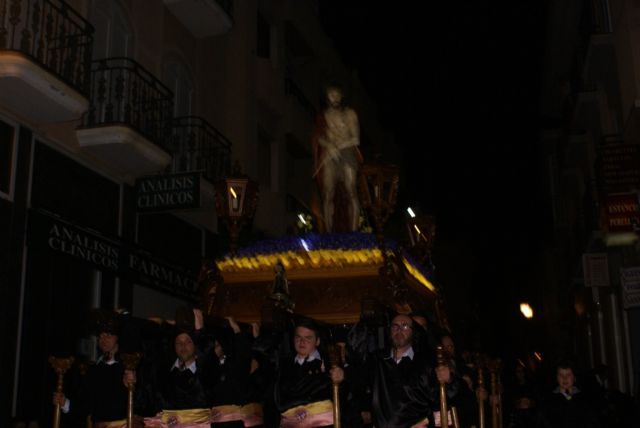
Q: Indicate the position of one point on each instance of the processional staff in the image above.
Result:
(496, 405)
(480, 396)
(335, 360)
(444, 411)
(443, 391)
(130, 362)
(60, 366)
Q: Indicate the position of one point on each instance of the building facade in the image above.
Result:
(97, 94)
(590, 145)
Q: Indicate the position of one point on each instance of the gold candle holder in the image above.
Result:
(130, 362)
(442, 361)
(480, 366)
(494, 371)
(335, 360)
(60, 366)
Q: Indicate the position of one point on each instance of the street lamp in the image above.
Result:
(526, 310)
(236, 203)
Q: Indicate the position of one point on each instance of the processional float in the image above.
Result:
(334, 278)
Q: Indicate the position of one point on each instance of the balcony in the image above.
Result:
(45, 56)
(129, 121)
(203, 18)
(197, 146)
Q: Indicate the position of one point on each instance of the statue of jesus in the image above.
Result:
(337, 156)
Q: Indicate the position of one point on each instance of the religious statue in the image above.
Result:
(209, 279)
(280, 289)
(336, 157)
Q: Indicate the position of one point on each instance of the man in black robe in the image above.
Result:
(234, 403)
(303, 387)
(186, 384)
(405, 385)
(102, 393)
(182, 384)
(566, 406)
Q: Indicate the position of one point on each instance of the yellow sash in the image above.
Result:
(311, 408)
(192, 416)
(110, 424)
(247, 409)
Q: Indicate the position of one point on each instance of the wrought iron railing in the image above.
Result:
(53, 34)
(123, 92)
(197, 146)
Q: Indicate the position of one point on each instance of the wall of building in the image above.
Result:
(593, 44)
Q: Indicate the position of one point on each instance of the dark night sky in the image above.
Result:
(458, 83)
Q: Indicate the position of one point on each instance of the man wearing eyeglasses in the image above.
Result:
(405, 385)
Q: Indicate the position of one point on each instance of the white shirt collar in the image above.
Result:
(191, 366)
(101, 360)
(408, 353)
(574, 391)
(315, 355)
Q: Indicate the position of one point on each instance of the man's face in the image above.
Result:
(401, 331)
(448, 346)
(305, 341)
(334, 96)
(565, 378)
(107, 343)
(217, 348)
(185, 348)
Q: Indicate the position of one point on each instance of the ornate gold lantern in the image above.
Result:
(236, 203)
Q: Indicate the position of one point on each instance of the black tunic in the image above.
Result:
(232, 378)
(404, 393)
(100, 393)
(301, 384)
(562, 412)
(183, 389)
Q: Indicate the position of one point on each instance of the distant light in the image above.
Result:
(301, 217)
(526, 310)
(304, 245)
(415, 226)
(233, 193)
(538, 355)
(411, 213)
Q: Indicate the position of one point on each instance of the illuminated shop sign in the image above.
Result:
(622, 213)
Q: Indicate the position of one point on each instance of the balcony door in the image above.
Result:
(113, 35)
(185, 144)
(112, 39)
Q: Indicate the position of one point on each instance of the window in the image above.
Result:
(177, 78)
(602, 16)
(7, 159)
(112, 37)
